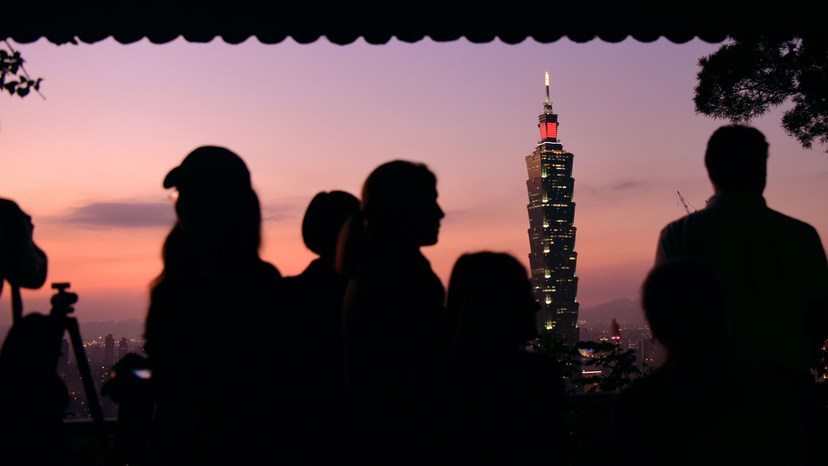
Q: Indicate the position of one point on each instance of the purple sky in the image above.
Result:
(88, 160)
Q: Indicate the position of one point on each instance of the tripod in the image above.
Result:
(62, 302)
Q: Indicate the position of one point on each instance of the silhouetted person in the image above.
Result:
(22, 263)
(701, 406)
(679, 413)
(129, 386)
(33, 397)
(772, 268)
(503, 404)
(213, 328)
(393, 311)
(315, 296)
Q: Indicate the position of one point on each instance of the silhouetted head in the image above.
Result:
(323, 220)
(683, 302)
(216, 204)
(490, 301)
(736, 159)
(209, 167)
(22, 262)
(401, 196)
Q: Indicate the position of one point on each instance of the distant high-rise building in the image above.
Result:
(123, 347)
(109, 351)
(552, 254)
(615, 331)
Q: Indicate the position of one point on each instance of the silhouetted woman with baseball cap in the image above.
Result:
(211, 325)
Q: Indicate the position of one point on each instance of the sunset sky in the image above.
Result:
(87, 161)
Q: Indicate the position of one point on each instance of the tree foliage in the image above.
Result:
(13, 76)
(744, 79)
(617, 365)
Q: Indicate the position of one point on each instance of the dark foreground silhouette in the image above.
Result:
(393, 314)
(501, 403)
(33, 397)
(314, 297)
(774, 278)
(213, 406)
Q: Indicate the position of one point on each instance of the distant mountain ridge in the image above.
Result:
(623, 310)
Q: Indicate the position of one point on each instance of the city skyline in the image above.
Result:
(87, 160)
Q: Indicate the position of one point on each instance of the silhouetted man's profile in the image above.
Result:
(393, 311)
(213, 326)
(772, 267)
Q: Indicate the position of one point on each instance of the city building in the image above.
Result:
(615, 332)
(552, 255)
(109, 351)
(123, 348)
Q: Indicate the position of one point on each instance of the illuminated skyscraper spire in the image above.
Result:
(552, 256)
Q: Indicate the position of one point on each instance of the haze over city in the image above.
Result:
(87, 161)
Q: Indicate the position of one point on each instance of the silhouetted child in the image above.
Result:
(503, 404)
(393, 311)
(315, 297)
(214, 334)
(700, 407)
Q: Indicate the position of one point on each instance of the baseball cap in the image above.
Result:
(212, 166)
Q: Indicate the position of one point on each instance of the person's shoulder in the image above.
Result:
(675, 226)
(687, 218)
(268, 270)
(790, 222)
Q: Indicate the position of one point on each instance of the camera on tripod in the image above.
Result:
(63, 300)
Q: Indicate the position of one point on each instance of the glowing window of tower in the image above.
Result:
(545, 198)
(549, 129)
(545, 223)
(546, 248)
(548, 299)
(547, 273)
(543, 171)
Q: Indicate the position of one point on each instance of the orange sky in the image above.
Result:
(87, 161)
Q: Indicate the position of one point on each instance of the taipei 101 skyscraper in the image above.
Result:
(552, 255)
